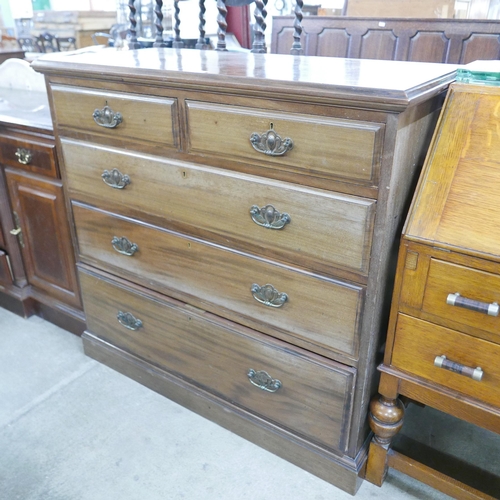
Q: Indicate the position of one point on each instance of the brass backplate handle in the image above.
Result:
(270, 143)
(452, 366)
(24, 156)
(17, 231)
(268, 295)
(455, 299)
(124, 246)
(128, 320)
(106, 117)
(263, 380)
(269, 217)
(115, 179)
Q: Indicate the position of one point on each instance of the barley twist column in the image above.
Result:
(200, 44)
(177, 43)
(221, 21)
(259, 42)
(133, 43)
(159, 25)
(296, 49)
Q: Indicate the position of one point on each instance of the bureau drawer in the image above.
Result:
(477, 289)
(142, 118)
(318, 311)
(37, 156)
(325, 229)
(323, 147)
(314, 398)
(418, 343)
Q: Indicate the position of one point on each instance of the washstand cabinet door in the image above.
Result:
(43, 232)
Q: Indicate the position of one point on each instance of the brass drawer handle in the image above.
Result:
(263, 380)
(268, 295)
(270, 143)
(24, 156)
(269, 217)
(455, 299)
(17, 231)
(106, 117)
(128, 320)
(115, 179)
(124, 246)
(452, 366)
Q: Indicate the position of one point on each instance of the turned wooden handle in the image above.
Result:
(452, 366)
(455, 299)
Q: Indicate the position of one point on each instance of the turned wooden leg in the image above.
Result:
(385, 419)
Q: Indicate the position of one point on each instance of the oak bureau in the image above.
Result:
(236, 218)
(443, 343)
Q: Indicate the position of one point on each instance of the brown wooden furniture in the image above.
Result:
(7, 53)
(444, 333)
(235, 217)
(429, 40)
(37, 263)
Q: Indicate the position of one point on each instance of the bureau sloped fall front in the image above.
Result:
(236, 217)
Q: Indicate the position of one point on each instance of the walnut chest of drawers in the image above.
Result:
(235, 217)
(443, 346)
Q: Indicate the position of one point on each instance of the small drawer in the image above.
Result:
(36, 156)
(476, 306)
(316, 311)
(304, 393)
(5, 270)
(418, 343)
(121, 118)
(322, 147)
(310, 227)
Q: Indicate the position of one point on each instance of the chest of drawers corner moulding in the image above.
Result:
(239, 261)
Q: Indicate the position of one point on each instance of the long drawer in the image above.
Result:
(299, 391)
(277, 219)
(317, 310)
(116, 116)
(320, 146)
(418, 343)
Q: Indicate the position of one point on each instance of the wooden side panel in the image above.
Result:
(46, 242)
(314, 396)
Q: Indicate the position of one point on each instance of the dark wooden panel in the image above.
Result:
(333, 42)
(378, 44)
(455, 41)
(480, 46)
(47, 251)
(428, 47)
(5, 274)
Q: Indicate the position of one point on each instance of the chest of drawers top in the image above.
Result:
(379, 84)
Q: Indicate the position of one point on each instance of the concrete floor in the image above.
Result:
(73, 429)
